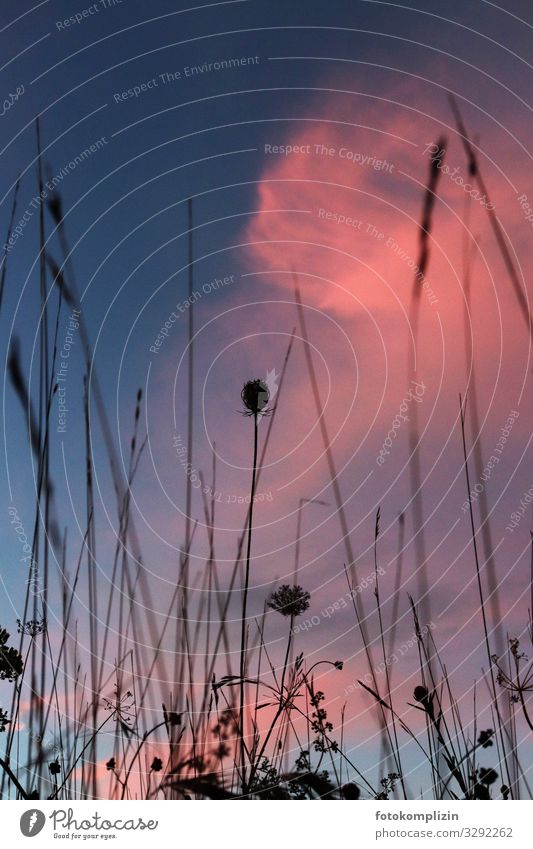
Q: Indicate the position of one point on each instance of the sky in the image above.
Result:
(307, 159)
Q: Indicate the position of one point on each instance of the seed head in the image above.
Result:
(289, 601)
(488, 776)
(485, 738)
(31, 628)
(4, 721)
(255, 396)
(350, 791)
(11, 662)
(421, 693)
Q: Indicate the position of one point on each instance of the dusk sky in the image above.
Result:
(303, 134)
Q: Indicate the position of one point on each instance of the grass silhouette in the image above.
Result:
(228, 730)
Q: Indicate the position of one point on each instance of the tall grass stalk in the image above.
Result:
(424, 253)
(493, 692)
(244, 619)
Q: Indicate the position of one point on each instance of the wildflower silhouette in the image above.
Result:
(11, 663)
(31, 628)
(485, 738)
(255, 396)
(4, 721)
(289, 601)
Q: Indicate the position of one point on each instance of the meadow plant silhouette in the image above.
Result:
(73, 730)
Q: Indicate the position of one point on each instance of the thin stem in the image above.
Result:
(145, 737)
(480, 591)
(13, 778)
(283, 704)
(73, 767)
(396, 751)
(243, 620)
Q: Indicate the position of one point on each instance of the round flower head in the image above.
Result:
(421, 693)
(487, 776)
(350, 791)
(485, 738)
(289, 601)
(255, 396)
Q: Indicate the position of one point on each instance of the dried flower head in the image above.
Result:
(54, 767)
(172, 719)
(289, 601)
(388, 784)
(420, 693)
(255, 396)
(4, 721)
(485, 738)
(157, 765)
(350, 791)
(111, 764)
(122, 707)
(11, 663)
(487, 776)
(32, 627)
(519, 681)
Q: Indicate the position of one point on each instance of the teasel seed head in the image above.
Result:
(255, 396)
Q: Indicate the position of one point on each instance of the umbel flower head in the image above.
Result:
(11, 663)
(289, 601)
(255, 396)
(4, 721)
(31, 628)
